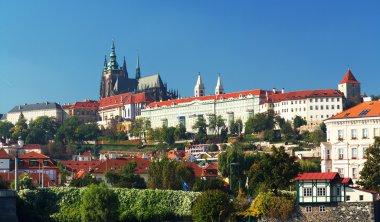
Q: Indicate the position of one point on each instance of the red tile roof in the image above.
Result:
(3, 154)
(349, 78)
(296, 95)
(317, 176)
(33, 155)
(32, 146)
(88, 104)
(365, 109)
(346, 180)
(76, 166)
(122, 99)
(87, 154)
(233, 95)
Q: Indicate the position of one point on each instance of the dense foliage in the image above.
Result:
(63, 204)
(126, 178)
(5, 129)
(212, 205)
(370, 174)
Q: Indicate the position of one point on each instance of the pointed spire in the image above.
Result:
(349, 78)
(105, 62)
(199, 89)
(138, 72)
(125, 67)
(219, 88)
(113, 62)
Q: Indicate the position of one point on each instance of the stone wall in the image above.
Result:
(342, 211)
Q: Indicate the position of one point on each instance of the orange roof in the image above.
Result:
(3, 154)
(365, 109)
(116, 164)
(349, 78)
(317, 176)
(33, 155)
(36, 178)
(87, 154)
(122, 99)
(278, 97)
(233, 95)
(80, 174)
(77, 166)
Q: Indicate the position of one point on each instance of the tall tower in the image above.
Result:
(350, 87)
(219, 88)
(138, 73)
(199, 89)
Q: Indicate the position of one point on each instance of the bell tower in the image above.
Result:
(199, 89)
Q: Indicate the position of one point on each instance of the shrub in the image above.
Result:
(99, 204)
(212, 205)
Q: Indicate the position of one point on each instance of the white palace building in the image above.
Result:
(312, 105)
(349, 134)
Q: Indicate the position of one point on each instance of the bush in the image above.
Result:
(99, 204)
(64, 204)
(212, 205)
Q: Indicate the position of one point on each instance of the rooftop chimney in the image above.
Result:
(283, 90)
(274, 90)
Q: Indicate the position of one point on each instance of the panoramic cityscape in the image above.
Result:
(190, 111)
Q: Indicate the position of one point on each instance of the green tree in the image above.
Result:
(236, 127)
(167, 174)
(167, 134)
(99, 204)
(298, 122)
(213, 206)
(310, 166)
(287, 131)
(126, 178)
(201, 127)
(5, 129)
(87, 180)
(66, 132)
(273, 171)
(86, 132)
(370, 174)
(216, 124)
(47, 124)
(36, 136)
(180, 132)
(20, 128)
(25, 182)
(260, 122)
(214, 184)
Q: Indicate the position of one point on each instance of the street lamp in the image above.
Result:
(20, 144)
(231, 173)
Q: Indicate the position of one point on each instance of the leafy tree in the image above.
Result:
(64, 173)
(86, 132)
(20, 128)
(212, 205)
(36, 136)
(236, 127)
(287, 131)
(3, 184)
(140, 128)
(370, 174)
(180, 132)
(167, 174)
(317, 136)
(260, 122)
(5, 129)
(310, 166)
(25, 182)
(273, 171)
(201, 127)
(216, 124)
(99, 204)
(298, 122)
(167, 134)
(66, 132)
(212, 148)
(203, 185)
(48, 124)
(87, 180)
(126, 178)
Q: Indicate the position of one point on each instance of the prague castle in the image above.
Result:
(116, 80)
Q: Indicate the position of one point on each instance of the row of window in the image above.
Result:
(308, 191)
(322, 208)
(323, 107)
(354, 133)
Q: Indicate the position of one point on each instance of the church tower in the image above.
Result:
(199, 89)
(112, 75)
(138, 73)
(350, 87)
(219, 88)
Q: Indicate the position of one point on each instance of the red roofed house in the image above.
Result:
(31, 163)
(320, 193)
(123, 107)
(86, 111)
(349, 134)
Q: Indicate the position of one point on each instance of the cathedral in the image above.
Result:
(115, 80)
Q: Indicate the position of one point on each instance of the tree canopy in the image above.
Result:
(201, 127)
(370, 174)
(5, 129)
(126, 178)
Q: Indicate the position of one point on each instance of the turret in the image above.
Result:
(113, 62)
(138, 73)
(199, 89)
(350, 87)
(125, 68)
(219, 88)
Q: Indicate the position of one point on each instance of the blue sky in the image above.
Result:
(54, 50)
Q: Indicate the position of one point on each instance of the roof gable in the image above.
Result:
(318, 176)
(33, 155)
(3, 154)
(365, 109)
(349, 78)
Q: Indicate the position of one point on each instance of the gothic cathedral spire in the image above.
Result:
(219, 88)
(138, 73)
(125, 68)
(199, 89)
(113, 65)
